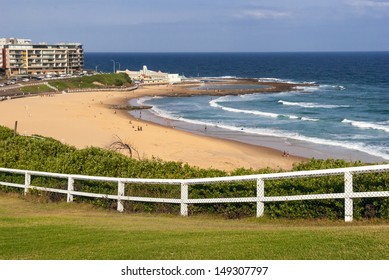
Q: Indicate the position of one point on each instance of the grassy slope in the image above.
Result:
(32, 230)
(36, 89)
(95, 81)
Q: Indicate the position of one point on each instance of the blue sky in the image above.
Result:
(202, 25)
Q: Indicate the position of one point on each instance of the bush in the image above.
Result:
(5, 133)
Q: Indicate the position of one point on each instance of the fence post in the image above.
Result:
(260, 197)
(120, 207)
(348, 202)
(184, 198)
(27, 182)
(70, 188)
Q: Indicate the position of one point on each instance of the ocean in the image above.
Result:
(344, 113)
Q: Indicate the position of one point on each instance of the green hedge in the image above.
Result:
(46, 154)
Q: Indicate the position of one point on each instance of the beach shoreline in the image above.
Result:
(271, 157)
(87, 119)
(100, 118)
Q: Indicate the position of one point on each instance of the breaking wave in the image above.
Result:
(214, 103)
(367, 125)
(311, 105)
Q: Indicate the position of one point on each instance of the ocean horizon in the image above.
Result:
(344, 113)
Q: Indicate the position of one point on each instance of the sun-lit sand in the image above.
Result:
(87, 119)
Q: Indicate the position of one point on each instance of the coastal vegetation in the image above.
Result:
(46, 154)
(110, 80)
(36, 89)
(94, 81)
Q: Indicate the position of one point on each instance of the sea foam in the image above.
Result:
(215, 103)
(275, 80)
(367, 125)
(311, 105)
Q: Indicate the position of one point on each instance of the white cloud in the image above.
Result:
(370, 8)
(369, 4)
(263, 14)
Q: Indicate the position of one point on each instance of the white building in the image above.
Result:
(147, 76)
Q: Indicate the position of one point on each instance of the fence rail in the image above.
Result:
(260, 199)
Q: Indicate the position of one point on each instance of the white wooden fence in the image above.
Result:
(260, 199)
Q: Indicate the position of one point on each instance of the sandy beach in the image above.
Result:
(88, 119)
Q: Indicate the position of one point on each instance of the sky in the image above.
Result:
(201, 25)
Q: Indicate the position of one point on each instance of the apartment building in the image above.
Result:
(7, 41)
(22, 57)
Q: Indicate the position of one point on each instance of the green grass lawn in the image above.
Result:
(36, 89)
(33, 230)
(95, 81)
